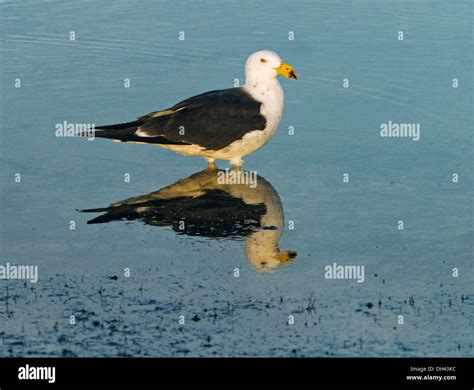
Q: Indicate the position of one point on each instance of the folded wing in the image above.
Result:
(211, 120)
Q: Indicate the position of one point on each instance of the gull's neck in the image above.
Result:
(259, 82)
(265, 89)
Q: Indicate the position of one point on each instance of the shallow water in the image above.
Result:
(408, 272)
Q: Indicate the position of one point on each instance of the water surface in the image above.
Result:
(407, 272)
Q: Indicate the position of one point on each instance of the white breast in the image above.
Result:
(270, 94)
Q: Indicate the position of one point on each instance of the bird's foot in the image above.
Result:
(211, 164)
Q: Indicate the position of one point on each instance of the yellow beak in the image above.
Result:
(286, 256)
(286, 70)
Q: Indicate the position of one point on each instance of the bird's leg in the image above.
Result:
(211, 164)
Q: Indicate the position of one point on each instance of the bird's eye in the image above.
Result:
(263, 60)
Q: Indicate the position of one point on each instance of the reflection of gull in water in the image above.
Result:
(200, 206)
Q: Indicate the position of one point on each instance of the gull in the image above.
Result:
(225, 124)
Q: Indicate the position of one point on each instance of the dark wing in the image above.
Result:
(212, 120)
(215, 213)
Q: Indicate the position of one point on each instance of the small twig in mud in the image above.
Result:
(311, 308)
(158, 327)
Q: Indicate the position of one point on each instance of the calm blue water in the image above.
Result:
(408, 272)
